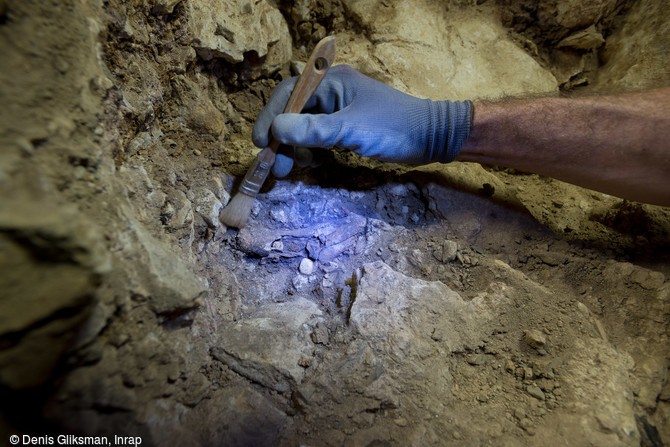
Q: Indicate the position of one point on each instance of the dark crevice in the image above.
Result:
(353, 286)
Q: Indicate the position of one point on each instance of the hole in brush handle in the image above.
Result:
(320, 64)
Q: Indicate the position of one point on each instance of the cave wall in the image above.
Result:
(129, 308)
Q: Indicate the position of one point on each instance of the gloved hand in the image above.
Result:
(351, 111)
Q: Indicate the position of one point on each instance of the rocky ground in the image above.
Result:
(365, 304)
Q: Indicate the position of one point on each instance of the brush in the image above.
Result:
(236, 213)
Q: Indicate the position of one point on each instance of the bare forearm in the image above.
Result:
(619, 145)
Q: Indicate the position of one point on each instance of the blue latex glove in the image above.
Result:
(351, 111)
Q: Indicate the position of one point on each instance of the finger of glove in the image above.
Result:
(283, 162)
(260, 135)
(320, 130)
(329, 97)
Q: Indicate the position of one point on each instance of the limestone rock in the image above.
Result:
(447, 61)
(583, 40)
(648, 279)
(567, 64)
(51, 261)
(200, 112)
(251, 419)
(229, 29)
(161, 278)
(574, 14)
(535, 391)
(208, 206)
(534, 338)
(405, 315)
(306, 266)
(635, 58)
(611, 409)
(446, 253)
(268, 349)
(164, 6)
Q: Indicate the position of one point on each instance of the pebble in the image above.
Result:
(297, 67)
(173, 373)
(306, 266)
(534, 338)
(448, 252)
(477, 360)
(401, 422)
(525, 423)
(519, 413)
(546, 385)
(320, 334)
(527, 373)
(305, 361)
(543, 369)
(535, 391)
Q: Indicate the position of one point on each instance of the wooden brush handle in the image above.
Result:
(316, 68)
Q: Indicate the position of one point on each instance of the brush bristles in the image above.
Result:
(236, 213)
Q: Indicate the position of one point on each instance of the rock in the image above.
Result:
(388, 305)
(268, 348)
(648, 279)
(168, 285)
(300, 283)
(447, 253)
(247, 103)
(141, 141)
(320, 334)
(232, 28)
(319, 32)
(297, 67)
(207, 205)
(542, 368)
(519, 413)
(534, 338)
(195, 389)
(306, 266)
(526, 424)
(164, 6)
(574, 14)
(634, 57)
(200, 113)
(449, 77)
(477, 360)
(51, 260)
(219, 185)
(252, 419)
(583, 40)
(550, 258)
(545, 385)
(203, 116)
(535, 391)
(177, 213)
(528, 373)
(401, 422)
